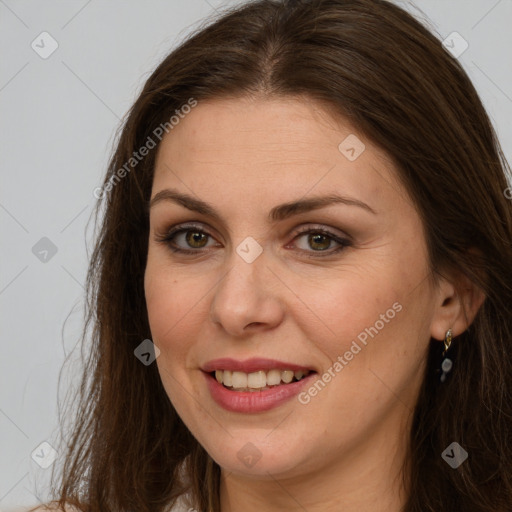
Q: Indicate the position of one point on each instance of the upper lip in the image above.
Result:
(251, 365)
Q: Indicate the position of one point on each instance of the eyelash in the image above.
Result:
(168, 238)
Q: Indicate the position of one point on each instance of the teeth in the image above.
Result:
(259, 380)
(287, 376)
(226, 378)
(256, 380)
(273, 377)
(239, 380)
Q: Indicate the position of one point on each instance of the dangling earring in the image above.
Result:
(447, 363)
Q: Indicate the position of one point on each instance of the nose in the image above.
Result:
(247, 298)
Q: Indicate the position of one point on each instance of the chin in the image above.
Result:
(255, 454)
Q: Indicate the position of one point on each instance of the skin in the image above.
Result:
(345, 448)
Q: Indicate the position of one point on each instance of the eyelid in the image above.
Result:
(170, 232)
(327, 229)
(343, 239)
(200, 227)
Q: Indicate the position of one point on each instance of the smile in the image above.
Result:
(249, 400)
(257, 381)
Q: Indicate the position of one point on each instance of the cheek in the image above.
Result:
(375, 319)
(336, 310)
(372, 356)
(172, 303)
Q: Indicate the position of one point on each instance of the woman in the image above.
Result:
(301, 289)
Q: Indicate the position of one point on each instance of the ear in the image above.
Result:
(457, 303)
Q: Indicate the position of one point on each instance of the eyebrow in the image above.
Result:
(278, 213)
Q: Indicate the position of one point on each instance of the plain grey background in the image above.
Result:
(57, 124)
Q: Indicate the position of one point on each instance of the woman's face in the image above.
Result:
(274, 281)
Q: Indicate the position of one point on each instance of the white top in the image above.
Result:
(181, 506)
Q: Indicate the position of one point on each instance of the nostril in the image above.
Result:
(256, 324)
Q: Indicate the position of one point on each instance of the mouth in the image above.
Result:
(257, 391)
(259, 380)
(255, 385)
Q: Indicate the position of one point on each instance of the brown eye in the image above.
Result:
(319, 241)
(186, 239)
(196, 239)
(313, 242)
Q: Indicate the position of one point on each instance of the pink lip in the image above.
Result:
(256, 401)
(251, 365)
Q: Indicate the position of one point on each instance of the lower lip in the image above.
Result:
(255, 401)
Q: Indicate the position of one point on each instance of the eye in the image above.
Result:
(321, 240)
(191, 239)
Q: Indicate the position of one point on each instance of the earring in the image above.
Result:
(447, 363)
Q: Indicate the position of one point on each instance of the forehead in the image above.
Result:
(282, 147)
(289, 126)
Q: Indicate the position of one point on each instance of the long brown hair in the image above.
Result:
(376, 65)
